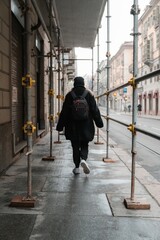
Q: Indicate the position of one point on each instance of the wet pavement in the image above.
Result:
(83, 207)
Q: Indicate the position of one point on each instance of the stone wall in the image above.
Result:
(5, 87)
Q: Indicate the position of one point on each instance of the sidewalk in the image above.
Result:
(83, 207)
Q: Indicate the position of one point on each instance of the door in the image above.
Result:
(17, 60)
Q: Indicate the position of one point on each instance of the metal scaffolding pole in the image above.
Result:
(131, 202)
(51, 90)
(29, 117)
(92, 68)
(108, 79)
(29, 128)
(98, 142)
(59, 96)
(135, 12)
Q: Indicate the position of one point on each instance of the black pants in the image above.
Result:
(80, 151)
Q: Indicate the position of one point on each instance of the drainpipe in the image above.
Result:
(34, 2)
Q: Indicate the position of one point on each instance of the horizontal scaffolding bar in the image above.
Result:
(137, 80)
(115, 120)
(147, 76)
(150, 134)
(154, 135)
(77, 59)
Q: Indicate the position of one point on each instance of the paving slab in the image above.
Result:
(15, 226)
(88, 207)
(94, 228)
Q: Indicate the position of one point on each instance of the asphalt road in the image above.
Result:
(148, 148)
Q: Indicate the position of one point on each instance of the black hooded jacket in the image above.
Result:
(79, 130)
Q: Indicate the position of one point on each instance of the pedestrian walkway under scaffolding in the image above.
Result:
(79, 207)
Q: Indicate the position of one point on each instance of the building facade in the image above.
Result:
(121, 100)
(149, 58)
(13, 65)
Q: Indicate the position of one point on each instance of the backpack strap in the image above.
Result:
(73, 94)
(84, 93)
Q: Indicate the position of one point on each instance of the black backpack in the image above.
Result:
(80, 107)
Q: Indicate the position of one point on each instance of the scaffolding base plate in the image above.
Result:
(98, 143)
(48, 158)
(57, 142)
(19, 201)
(108, 160)
(136, 204)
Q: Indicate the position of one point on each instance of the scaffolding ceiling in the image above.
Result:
(78, 20)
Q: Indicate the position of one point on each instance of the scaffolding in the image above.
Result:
(28, 82)
(131, 202)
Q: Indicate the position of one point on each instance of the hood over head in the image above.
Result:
(79, 82)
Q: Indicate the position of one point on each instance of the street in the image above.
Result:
(148, 149)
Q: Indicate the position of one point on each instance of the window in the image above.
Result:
(157, 17)
(157, 40)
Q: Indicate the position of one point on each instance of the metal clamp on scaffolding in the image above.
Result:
(107, 93)
(60, 97)
(51, 92)
(108, 54)
(132, 129)
(51, 118)
(135, 9)
(29, 128)
(27, 81)
(57, 70)
(132, 82)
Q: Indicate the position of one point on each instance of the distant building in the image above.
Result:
(102, 81)
(120, 74)
(149, 58)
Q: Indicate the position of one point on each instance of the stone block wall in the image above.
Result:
(5, 86)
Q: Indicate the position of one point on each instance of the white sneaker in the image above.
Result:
(76, 171)
(85, 167)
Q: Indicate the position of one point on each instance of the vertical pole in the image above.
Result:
(135, 12)
(98, 78)
(51, 90)
(59, 83)
(92, 68)
(98, 142)
(27, 81)
(108, 77)
(29, 117)
(62, 83)
(131, 203)
(51, 84)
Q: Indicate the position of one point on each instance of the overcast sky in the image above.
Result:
(121, 24)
